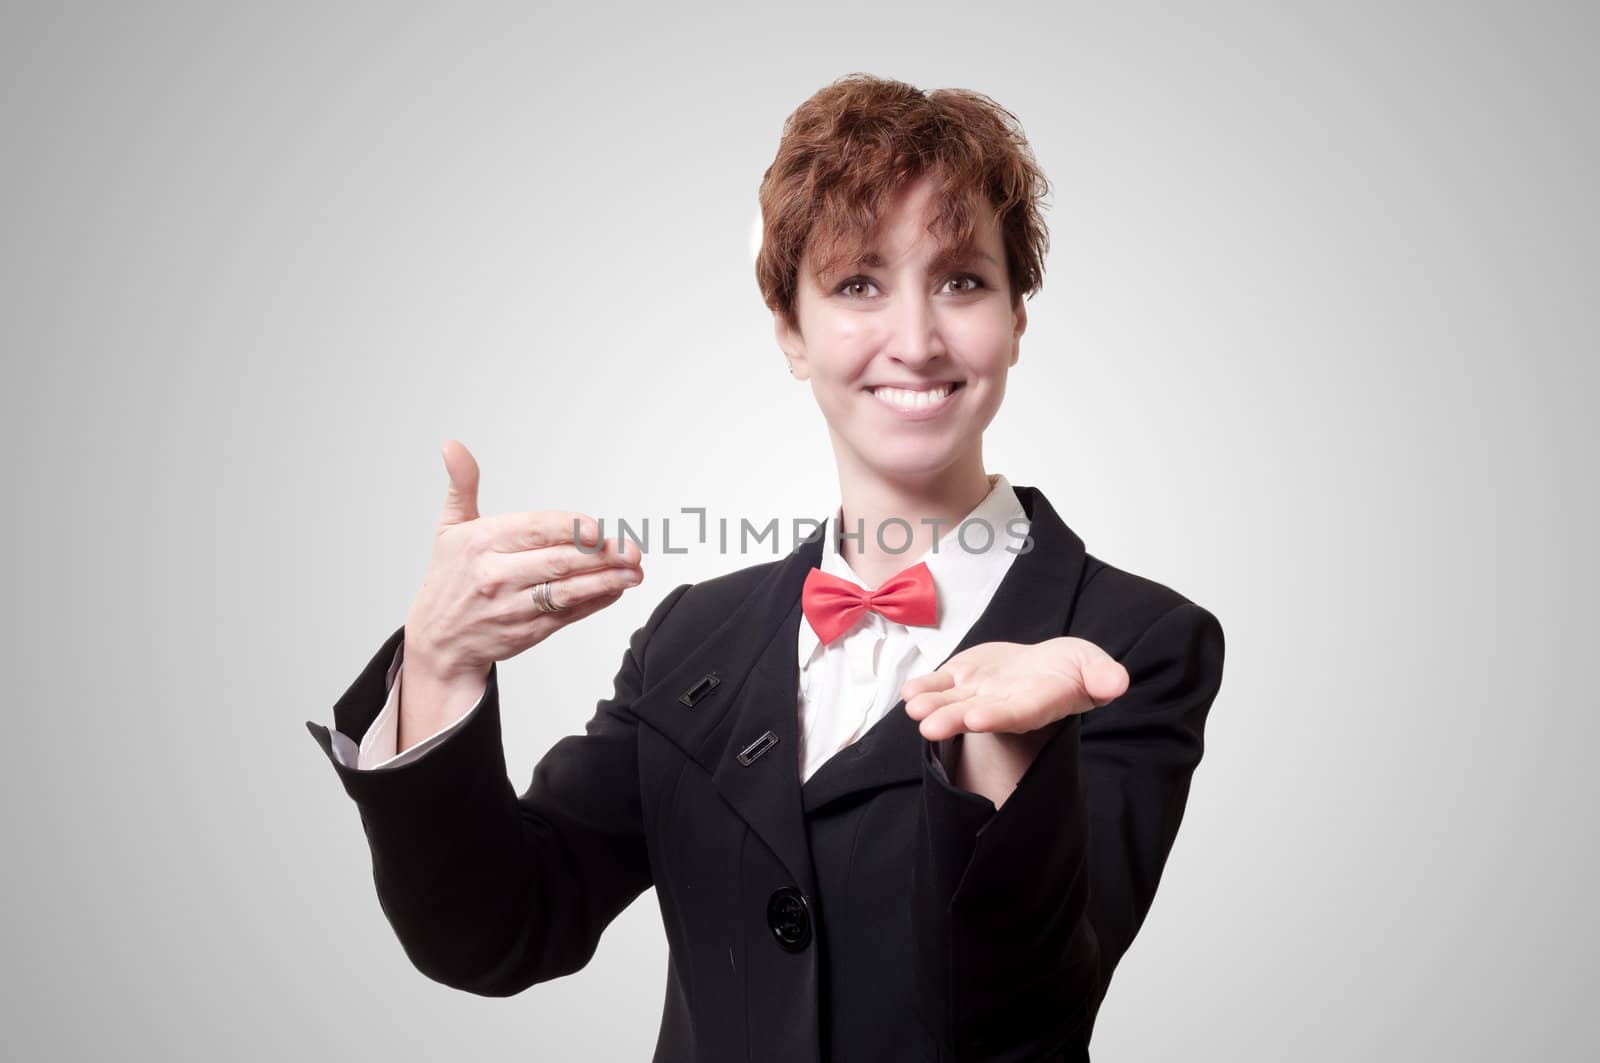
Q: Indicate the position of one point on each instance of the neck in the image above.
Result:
(871, 501)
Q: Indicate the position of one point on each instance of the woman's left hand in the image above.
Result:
(1013, 687)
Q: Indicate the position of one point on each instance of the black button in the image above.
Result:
(706, 684)
(789, 918)
(758, 747)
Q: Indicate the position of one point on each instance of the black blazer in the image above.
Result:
(876, 913)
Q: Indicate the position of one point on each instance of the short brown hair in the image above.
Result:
(849, 149)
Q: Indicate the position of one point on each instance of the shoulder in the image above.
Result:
(1116, 607)
(690, 610)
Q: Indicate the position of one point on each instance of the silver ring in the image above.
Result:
(543, 601)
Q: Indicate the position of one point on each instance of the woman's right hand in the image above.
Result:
(476, 605)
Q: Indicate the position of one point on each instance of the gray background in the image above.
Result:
(1315, 347)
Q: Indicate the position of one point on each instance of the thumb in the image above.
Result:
(461, 498)
(1104, 679)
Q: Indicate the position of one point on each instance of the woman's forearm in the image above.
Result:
(991, 763)
(429, 704)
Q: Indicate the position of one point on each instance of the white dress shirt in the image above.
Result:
(852, 682)
(844, 687)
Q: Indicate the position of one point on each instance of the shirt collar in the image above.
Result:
(964, 579)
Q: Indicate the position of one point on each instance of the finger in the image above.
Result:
(575, 592)
(1104, 679)
(944, 722)
(523, 569)
(541, 626)
(536, 529)
(928, 682)
(461, 497)
(921, 705)
(993, 715)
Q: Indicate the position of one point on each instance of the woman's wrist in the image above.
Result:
(991, 763)
(430, 703)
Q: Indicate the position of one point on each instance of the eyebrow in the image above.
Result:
(943, 260)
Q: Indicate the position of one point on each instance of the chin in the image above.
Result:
(913, 461)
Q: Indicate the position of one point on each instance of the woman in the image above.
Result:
(904, 794)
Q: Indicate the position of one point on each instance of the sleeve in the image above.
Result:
(378, 745)
(1022, 913)
(487, 891)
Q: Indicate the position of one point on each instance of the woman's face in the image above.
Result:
(946, 332)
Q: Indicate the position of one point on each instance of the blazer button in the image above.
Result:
(789, 918)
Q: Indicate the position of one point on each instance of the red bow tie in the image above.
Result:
(833, 605)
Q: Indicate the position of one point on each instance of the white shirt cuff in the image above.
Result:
(378, 745)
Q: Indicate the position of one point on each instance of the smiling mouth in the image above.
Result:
(914, 399)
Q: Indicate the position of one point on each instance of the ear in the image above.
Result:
(1019, 315)
(792, 344)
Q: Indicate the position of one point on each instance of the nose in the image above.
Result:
(914, 337)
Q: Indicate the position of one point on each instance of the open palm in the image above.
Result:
(1013, 687)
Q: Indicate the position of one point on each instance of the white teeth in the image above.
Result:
(912, 400)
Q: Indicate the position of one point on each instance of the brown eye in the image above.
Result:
(977, 282)
(847, 287)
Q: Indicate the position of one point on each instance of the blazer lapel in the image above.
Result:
(1032, 604)
(758, 768)
(744, 731)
